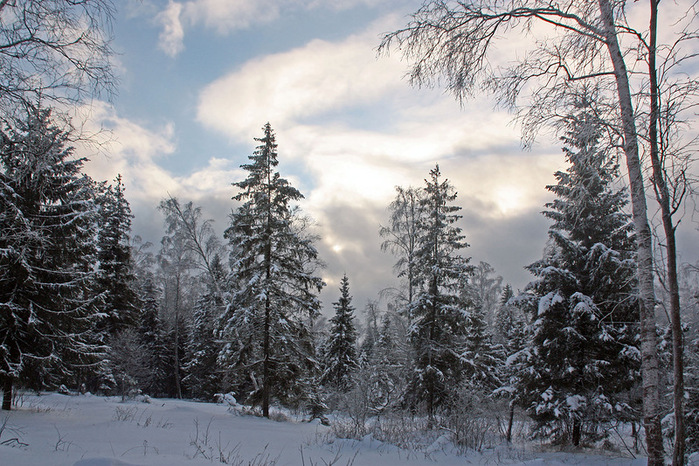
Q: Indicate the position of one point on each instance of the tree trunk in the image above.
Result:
(266, 389)
(265, 364)
(7, 394)
(663, 196)
(649, 358)
(577, 432)
(510, 421)
(178, 385)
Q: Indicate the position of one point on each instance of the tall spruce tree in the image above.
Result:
(115, 274)
(275, 287)
(47, 219)
(340, 351)
(584, 358)
(438, 325)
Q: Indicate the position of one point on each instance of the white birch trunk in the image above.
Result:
(649, 357)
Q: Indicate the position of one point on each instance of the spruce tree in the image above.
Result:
(481, 359)
(340, 351)
(115, 274)
(47, 220)
(584, 359)
(390, 366)
(371, 333)
(438, 323)
(151, 332)
(509, 321)
(483, 288)
(274, 288)
(511, 335)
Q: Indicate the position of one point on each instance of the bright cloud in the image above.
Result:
(229, 15)
(286, 87)
(172, 35)
(138, 154)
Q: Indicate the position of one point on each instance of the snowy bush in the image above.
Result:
(474, 421)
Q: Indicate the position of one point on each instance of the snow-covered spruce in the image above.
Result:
(48, 312)
(582, 367)
(265, 327)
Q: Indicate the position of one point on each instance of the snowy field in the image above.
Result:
(87, 430)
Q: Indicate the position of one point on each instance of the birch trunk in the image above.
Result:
(663, 196)
(649, 357)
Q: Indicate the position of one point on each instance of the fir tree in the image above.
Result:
(47, 219)
(115, 275)
(584, 357)
(152, 338)
(340, 351)
(480, 358)
(437, 328)
(275, 286)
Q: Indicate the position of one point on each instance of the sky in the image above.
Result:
(199, 78)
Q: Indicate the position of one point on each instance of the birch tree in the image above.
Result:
(401, 236)
(58, 51)
(670, 97)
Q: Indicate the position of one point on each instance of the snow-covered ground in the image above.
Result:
(87, 430)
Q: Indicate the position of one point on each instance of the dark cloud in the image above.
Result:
(353, 246)
(508, 244)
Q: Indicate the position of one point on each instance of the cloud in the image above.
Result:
(171, 39)
(352, 129)
(228, 15)
(225, 16)
(138, 153)
(305, 82)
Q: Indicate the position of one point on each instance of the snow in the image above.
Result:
(87, 430)
(548, 301)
